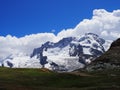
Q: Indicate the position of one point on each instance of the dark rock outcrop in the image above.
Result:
(109, 60)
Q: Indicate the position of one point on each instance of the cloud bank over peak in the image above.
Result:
(105, 24)
(24, 45)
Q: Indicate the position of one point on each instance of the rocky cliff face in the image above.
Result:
(109, 60)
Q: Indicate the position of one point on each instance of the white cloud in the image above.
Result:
(53, 30)
(116, 13)
(105, 33)
(65, 33)
(105, 24)
(13, 45)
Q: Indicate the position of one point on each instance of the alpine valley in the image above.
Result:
(68, 54)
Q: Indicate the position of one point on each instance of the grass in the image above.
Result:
(43, 79)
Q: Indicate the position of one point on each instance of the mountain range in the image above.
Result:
(68, 54)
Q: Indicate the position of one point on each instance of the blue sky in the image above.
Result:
(22, 17)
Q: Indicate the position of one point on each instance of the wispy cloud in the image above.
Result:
(53, 30)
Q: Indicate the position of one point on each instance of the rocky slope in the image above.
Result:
(109, 60)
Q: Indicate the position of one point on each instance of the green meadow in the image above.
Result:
(43, 79)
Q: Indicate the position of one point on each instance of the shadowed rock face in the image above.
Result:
(109, 60)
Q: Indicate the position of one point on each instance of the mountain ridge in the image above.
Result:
(76, 55)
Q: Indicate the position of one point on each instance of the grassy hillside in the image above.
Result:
(43, 79)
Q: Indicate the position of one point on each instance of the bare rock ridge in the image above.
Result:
(115, 43)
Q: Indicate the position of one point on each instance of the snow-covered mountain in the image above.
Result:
(65, 55)
(70, 53)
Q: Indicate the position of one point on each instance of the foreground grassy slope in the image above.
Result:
(43, 79)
